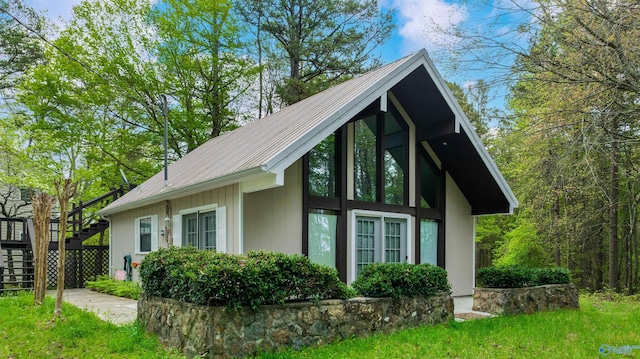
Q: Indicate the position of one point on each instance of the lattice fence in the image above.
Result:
(80, 265)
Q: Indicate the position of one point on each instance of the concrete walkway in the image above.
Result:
(108, 307)
(462, 309)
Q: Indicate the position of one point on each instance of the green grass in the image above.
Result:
(116, 287)
(560, 334)
(28, 332)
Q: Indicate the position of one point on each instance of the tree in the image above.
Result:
(201, 52)
(574, 134)
(63, 193)
(95, 108)
(324, 42)
(42, 205)
(19, 48)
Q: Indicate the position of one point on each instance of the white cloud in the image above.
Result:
(469, 84)
(428, 23)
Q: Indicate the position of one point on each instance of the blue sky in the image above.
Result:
(419, 25)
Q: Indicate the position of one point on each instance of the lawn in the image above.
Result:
(28, 332)
(561, 334)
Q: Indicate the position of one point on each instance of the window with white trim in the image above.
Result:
(199, 230)
(146, 234)
(379, 238)
(202, 227)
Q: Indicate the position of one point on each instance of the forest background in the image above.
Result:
(551, 86)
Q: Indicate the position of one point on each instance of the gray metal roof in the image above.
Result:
(273, 143)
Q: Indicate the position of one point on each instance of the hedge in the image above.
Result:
(519, 276)
(217, 279)
(401, 280)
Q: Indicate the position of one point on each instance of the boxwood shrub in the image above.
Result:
(401, 280)
(519, 276)
(217, 279)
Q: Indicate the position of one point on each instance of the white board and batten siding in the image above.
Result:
(225, 201)
(124, 231)
(273, 217)
(459, 241)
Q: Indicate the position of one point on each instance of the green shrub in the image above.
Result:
(551, 275)
(217, 279)
(519, 277)
(118, 288)
(401, 280)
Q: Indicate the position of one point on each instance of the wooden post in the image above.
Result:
(64, 193)
(42, 204)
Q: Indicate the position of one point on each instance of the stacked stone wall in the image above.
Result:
(217, 332)
(525, 300)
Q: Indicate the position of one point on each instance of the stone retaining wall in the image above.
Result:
(525, 300)
(216, 332)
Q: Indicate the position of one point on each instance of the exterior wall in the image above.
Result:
(216, 332)
(122, 235)
(122, 239)
(273, 217)
(15, 206)
(459, 240)
(227, 196)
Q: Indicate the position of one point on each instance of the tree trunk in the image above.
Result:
(64, 193)
(614, 179)
(42, 205)
(599, 270)
(636, 262)
(556, 220)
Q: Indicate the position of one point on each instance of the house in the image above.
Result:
(382, 168)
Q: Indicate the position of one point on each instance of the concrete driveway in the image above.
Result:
(108, 307)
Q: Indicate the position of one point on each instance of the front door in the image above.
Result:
(380, 239)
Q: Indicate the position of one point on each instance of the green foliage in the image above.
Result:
(401, 280)
(19, 48)
(322, 41)
(519, 276)
(521, 247)
(115, 287)
(217, 279)
(27, 331)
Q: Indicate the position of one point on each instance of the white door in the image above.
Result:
(377, 243)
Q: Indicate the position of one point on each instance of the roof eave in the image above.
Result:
(305, 143)
(461, 121)
(226, 180)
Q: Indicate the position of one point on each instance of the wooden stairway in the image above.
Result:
(16, 267)
(16, 252)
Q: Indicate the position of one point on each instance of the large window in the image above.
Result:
(381, 158)
(429, 182)
(429, 241)
(323, 231)
(379, 238)
(365, 159)
(323, 177)
(146, 234)
(201, 227)
(395, 160)
(431, 208)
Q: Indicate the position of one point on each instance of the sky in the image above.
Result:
(418, 25)
(415, 20)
